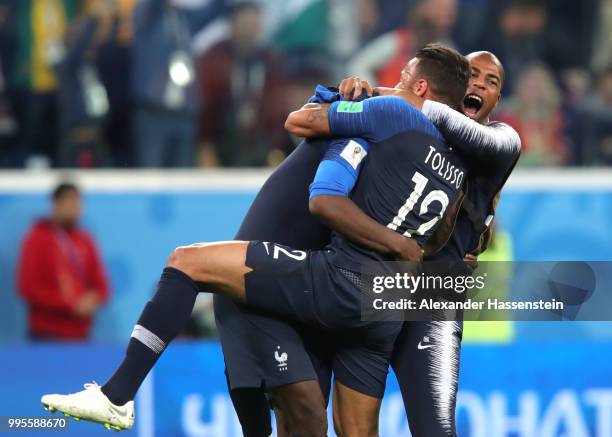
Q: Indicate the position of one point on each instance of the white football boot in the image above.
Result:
(92, 405)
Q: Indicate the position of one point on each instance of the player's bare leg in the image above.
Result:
(355, 413)
(302, 409)
(218, 267)
(282, 427)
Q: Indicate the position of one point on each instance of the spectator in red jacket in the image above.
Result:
(60, 274)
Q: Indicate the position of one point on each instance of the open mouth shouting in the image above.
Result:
(472, 103)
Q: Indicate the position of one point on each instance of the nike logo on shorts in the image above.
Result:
(424, 346)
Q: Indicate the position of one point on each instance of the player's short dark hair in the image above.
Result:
(446, 70)
(495, 59)
(64, 189)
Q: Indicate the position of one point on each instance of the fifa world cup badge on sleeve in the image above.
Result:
(350, 107)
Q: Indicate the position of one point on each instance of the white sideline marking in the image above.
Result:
(136, 181)
(250, 180)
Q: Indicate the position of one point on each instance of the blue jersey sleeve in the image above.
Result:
(377, 119)
(339, 168)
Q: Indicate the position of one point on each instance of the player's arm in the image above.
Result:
(342, 215)
(495, 141)
(329, 202)
(309, 121)
(372, 119)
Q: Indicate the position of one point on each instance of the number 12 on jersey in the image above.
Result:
(420, 182)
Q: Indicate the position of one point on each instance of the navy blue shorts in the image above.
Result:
(304, 286)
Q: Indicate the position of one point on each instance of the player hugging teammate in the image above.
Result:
(288, 289)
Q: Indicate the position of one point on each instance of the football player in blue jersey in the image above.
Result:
(426, 354)
(495, 143)
(496, 140)
(267, 276)
(429, 389)
(432, 374)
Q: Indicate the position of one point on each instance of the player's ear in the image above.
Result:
(498, 100)
(420, 87)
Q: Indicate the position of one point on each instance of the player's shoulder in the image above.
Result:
(377, 104)
(496, 124)
(391, 102)
(395, 111)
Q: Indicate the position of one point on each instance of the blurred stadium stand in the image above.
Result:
(112, 83)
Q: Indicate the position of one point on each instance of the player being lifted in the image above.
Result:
(316, 288)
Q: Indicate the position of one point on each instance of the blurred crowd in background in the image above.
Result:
(206, 83)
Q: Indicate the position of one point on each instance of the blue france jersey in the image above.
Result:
(410, 175)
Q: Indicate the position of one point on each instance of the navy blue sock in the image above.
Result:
(163, 317)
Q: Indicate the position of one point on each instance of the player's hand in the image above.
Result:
(471, 261)
(352, 88)
(409, 250)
